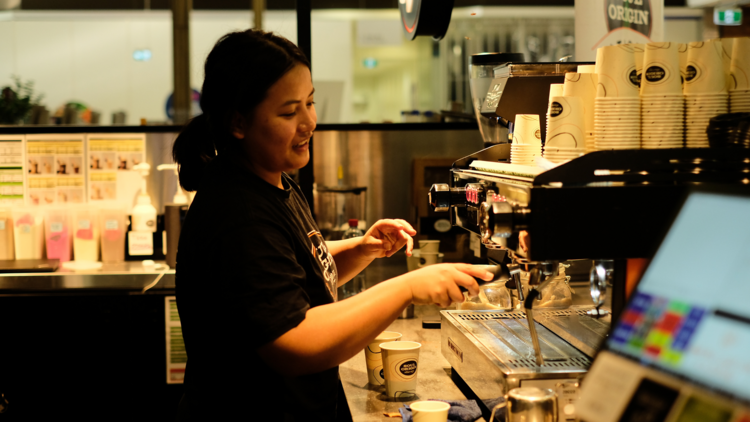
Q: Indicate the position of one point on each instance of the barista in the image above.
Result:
(256, 282)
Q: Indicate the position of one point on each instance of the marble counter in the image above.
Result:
(368, 403)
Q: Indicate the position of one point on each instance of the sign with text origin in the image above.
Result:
(600, 23)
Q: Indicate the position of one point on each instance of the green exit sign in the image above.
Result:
(728, 17)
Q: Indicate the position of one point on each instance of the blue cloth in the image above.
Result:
(460, 411)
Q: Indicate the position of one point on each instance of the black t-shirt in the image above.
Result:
(250, 263)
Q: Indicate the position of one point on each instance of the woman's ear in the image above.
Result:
(238, 125)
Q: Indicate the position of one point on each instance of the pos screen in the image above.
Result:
(690, 314)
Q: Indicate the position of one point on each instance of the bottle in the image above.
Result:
(357, 284)
(143, 226)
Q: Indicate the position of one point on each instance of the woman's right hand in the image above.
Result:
(439, 283)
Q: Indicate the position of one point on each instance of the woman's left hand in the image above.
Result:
(386, 237)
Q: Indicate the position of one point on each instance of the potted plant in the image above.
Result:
(16, 102)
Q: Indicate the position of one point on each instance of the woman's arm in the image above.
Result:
(332, 334)
(384, 238)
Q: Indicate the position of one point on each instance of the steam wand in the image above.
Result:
(535, 293)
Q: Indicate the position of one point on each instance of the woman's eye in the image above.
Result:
(310, 103)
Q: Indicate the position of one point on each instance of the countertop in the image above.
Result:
(368, 403)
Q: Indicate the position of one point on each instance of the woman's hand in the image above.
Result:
(439, 283)
(386, 237)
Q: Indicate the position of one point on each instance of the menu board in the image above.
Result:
(11, 170)
(111, 158)
(55, 169)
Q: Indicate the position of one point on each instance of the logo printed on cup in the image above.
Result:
(555, 109)
(691, 73)
(408, 368)
(655, 73)
(538, 134)
(634, 78)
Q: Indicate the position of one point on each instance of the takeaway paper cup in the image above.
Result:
(400, 364)
(429, 246)
(373, 356)
(429, 411)
(739, 69)
(661, 69)
(617, 76)
(526, 130)
(583, 86)
(705, 71)
(566, 123)
(587, 68)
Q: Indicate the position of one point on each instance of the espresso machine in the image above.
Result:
(605, 207)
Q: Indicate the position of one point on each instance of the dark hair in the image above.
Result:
(239, 71)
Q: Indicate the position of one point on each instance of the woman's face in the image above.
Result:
(277, 136)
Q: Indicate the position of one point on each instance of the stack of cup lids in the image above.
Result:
(617, 107)
(566, 136)
(555, 90)
(705, 90)
(739, 70)
(583, 86)
(662, 102)
(527, 140)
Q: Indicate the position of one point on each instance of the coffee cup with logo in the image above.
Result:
(616, 73)
(526, 130)
(373, 356)
(400, 364)
(661, 69)
(429, 411)
(705, 71)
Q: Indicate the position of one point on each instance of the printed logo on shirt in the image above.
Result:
(319, 249)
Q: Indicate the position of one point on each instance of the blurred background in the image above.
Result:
(112, 62)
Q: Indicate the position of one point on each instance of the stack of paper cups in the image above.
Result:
(739, 70)
(617, 119)
(662, 102)
(705, 91)
(583, 86)
(555, 90)
(527, 140)
(566, 137)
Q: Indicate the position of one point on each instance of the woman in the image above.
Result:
(256, 283)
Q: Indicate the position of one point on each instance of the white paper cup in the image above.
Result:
(587, 68)
(428, 258)
(429, 411)
(661, 69)
(374, 359)
(583, 86)
(617, 76)
(400, 364)
(526, 130)
(739, 69)
(705, 71)
(566, 123)
(429, 246)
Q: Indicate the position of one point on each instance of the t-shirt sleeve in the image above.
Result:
(265, 284)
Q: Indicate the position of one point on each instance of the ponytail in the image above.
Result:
(192, 151)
